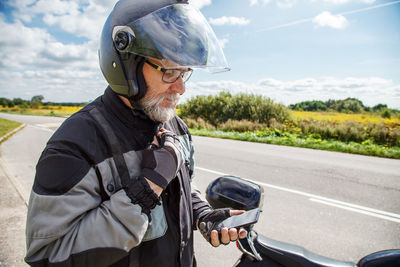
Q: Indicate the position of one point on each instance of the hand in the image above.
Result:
(157, 189)
(161, 163)
(208, 220)
(140, 192)
(228, 235)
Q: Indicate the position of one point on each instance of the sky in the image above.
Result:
(288, 50)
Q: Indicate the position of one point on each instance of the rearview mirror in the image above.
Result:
(234, 192)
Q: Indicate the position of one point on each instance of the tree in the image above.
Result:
(37, 99)
(386, 114)
(348, 105)
(5, 102)
(18, 101)
(315, 105)
(379, 107)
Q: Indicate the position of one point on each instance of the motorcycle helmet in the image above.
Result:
(166, 30)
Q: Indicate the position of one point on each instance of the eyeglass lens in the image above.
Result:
(170, 76)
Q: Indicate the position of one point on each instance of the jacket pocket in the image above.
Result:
(158, 226)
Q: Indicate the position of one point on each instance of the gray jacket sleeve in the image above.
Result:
(72, 227)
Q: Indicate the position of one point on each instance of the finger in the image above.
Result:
(160, 132)
(236, 212)
(214, 238)
(155, 142)
(233, 234)
(225, 239)
(242, 233)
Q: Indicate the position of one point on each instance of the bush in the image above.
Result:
(382, 134)
(241, 126)
(225, 106)
(198, 123)
(310, 106)
(386, 114)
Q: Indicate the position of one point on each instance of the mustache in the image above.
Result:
(170, 96)
(156, 101)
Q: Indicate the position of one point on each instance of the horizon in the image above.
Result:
(181, 103)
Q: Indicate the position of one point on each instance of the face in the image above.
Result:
(161, 98)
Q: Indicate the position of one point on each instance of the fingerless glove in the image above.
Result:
(208, 219)
(160, 164)
(139, 191)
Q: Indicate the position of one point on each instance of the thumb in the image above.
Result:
(236, 212)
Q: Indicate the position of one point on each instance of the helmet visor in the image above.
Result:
(180, 34)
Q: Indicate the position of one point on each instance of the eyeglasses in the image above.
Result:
(172, 75)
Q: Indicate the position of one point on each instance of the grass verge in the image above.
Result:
(7, 126)
(366, 148)
(54, 111)
(38, 113)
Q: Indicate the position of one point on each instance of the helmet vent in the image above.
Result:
(122, 40)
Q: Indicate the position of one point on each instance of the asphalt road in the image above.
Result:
(338, 205)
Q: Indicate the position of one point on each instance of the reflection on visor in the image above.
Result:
(178, 33)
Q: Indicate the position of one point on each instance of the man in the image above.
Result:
(113, 185)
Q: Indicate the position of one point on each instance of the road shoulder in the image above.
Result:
(12, 223)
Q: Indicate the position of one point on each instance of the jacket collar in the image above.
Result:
(135, 119)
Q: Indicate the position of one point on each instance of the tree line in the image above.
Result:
(241, 106)
(35, 102)
(348, 105)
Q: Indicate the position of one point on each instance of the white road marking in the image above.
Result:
(208, 170)
(327, 201)
(362, 211)
(44, 128)
(50, 124)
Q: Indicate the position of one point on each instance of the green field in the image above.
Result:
(55, 111)
(7, 126)
(314, 142)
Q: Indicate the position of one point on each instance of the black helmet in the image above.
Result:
(167, 30)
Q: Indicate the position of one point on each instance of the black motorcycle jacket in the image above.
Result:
(78, 213)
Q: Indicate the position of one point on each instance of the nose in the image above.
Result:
(178, 86)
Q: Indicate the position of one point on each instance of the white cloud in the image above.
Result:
(371, 90)
(26, 10)
(223, 42)
(33, 62)
(279, 3)
(229, 21)
(55, 85)
(337, 2)
(26, 48)
(340, 2)
(255, 2)
(83, 20)
(326, 19)
(286, 3)
(200, 3)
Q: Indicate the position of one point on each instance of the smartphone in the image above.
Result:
(242, 220)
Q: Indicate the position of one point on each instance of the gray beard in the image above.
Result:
(155, 112)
